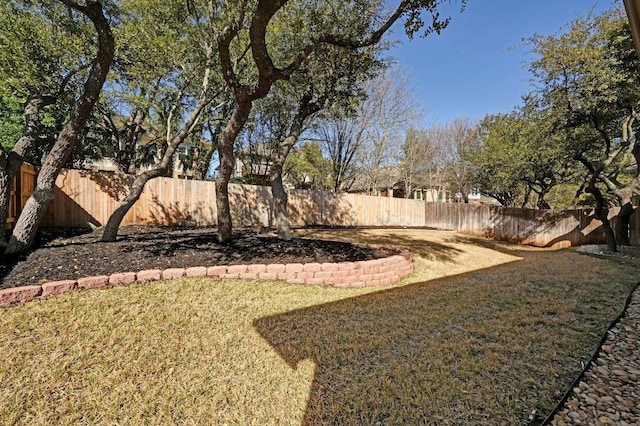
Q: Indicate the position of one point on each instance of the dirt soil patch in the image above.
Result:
(61, 254)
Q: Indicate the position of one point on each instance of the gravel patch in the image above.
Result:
(624, 252)
(609, 392)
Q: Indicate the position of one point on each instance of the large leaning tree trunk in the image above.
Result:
(34, 210)
(162, 168)
(280, 198)
(622, 224)
(268, 73)
(11, 162)
(623, 218)
(625, 194)
(601, 213)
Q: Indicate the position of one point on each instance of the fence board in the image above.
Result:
(21, 188)
(12, 213)
(86, 196)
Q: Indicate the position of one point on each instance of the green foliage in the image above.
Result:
(498, 161)
(42, 45)
(11, 121)
(520, 154)
(47, 50)
(587, 81)
(306, 168)
(571, 130)
(152, 39)
(565, 196)
(51, 121)
(156, 82)
(415, 17)
(162, 46)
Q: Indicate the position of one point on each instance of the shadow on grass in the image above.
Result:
(479, 348)
(499, 246)
(430, 250)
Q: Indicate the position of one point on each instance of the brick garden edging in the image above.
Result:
(367, 273)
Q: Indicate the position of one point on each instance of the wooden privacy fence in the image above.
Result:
(21, 188)
(84, 197)
(527, 226)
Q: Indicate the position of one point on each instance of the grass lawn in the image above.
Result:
(480, 333)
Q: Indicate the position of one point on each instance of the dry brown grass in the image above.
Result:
(481, 333)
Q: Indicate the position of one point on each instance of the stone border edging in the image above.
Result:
(560, 405)
(366, 273)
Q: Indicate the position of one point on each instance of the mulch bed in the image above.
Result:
(61, 254)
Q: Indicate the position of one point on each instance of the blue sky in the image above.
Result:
(475, 66)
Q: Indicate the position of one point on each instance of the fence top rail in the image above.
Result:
(88, 196)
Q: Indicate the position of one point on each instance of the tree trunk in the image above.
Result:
(113, 224)
(10, 163)
(280, 204)
(608, 232)
(27, 225)
(5, 191)
(239, 117)
(622, 223)
(602, 214)
(542, 204)
(280, 199)
(37, 204)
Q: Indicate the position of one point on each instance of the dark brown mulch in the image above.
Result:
(61, 254)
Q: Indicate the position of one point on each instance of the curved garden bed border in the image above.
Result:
(366, 273)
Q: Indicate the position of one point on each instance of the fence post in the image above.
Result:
(18, 192)
(322, 209)
(84, 192)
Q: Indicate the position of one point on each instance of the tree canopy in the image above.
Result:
(578, 125)
(182, 74)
